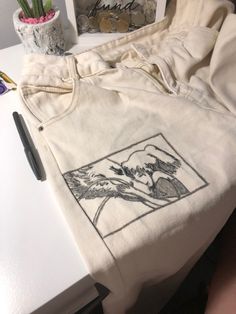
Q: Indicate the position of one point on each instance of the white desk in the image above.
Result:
(38, 256)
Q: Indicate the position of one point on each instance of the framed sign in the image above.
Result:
(112, 17)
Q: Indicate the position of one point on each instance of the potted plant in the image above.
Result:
(39, 28)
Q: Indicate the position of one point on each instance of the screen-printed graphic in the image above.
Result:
(120, 188)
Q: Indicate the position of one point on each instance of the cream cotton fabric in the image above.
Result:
(137, 138)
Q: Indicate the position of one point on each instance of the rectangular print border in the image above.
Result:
(122, 187)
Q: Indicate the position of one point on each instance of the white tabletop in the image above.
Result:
(38, 256)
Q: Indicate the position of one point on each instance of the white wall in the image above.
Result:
(8, 36)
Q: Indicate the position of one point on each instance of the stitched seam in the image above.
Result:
(27, 89)
(29, 105)
(73, 104)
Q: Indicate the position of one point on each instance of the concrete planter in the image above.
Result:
(46, 38)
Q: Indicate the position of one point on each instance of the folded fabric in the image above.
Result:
(137, 138)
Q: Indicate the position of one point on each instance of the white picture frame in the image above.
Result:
(100, 37)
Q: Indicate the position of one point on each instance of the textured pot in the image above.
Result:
(45, 38)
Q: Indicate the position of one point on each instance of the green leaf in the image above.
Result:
(38, 8)
(48, 5)
(25, 8)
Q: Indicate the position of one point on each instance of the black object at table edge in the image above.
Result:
(28, 149)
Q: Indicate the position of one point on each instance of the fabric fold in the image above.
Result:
(137, 140)
(223, 64)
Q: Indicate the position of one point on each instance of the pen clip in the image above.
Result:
(33, 164)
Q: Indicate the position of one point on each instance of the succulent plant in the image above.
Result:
(38, 8)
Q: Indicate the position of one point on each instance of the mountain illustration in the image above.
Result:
(146, 176)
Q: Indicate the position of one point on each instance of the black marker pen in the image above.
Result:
(29, 150)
